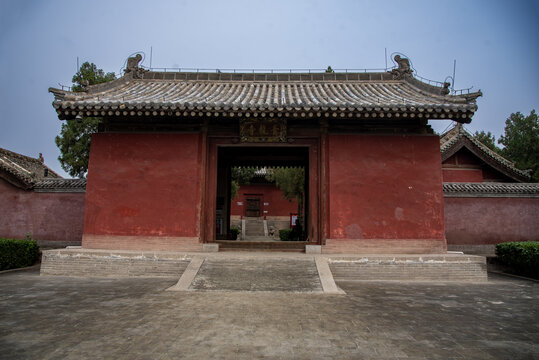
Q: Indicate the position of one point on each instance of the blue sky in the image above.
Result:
(495, 43)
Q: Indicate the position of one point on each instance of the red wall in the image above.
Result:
(54, 219)
(142, 185)
(386, 187)
(269, 193)
(487, 221)
(465, 166)
(462, 175)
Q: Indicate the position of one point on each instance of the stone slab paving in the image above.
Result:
(257, 274)
(135, 318)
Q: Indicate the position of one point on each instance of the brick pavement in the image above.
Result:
(135, 318)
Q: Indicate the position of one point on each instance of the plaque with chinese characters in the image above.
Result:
(263, 130)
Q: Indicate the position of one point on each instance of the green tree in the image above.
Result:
(240, 175)
(75, 135)
(521, 142)
(486, 138)
(89, 74)
(291, 180)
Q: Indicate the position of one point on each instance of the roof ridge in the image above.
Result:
(491, 189)
(60, 185)
(26, 157)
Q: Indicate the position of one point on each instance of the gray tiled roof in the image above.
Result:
(457, 137)
(23, 170)
(450, 189)
(60, 185)
(491, 189)
(382, 94)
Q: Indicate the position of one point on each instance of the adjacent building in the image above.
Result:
(487, 200)
(37, 202)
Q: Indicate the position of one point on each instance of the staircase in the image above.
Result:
(256, 241)
(277, 245)
(254, 228)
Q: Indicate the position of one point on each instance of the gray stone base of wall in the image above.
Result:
(483, 250)
(53, 244)
(449, 267)
(109, 263)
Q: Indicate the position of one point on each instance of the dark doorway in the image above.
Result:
(255, 206)
(223, 154)
(252, 207)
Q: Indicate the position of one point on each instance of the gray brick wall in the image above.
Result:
(57, 263)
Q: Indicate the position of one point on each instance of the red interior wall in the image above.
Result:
(462, 175)
(49, 217)
(269, 193)
(385, 187)
(484, 221)
(143, 185)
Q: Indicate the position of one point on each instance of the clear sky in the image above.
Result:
(495, 43)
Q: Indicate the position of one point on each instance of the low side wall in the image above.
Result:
(101, 263)
(409, 268)
(384, 246)
(53, 219)
(477, 224)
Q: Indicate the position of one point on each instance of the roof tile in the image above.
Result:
(491, 189)
(24, 170)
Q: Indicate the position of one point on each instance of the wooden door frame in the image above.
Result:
(316, 169)
(251, 197)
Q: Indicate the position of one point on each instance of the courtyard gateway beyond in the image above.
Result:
(156, 180)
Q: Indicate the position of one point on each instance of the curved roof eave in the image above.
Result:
(141, 92)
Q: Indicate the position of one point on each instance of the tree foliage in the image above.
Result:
(89, 74)
(521, 142)
(240, 176)
(486, 138)
(75, 135)
(291, 180)
(74, 143)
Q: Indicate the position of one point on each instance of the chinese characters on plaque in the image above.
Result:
(263, 130)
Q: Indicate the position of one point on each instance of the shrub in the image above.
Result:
(234, 231)
(523, 257)
(18, 253)
(284, 234)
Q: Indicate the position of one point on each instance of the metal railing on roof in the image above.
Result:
(65, 87)
(264, 70)
(428, 81)
(284, 71)
(441, 84)
(461, 91)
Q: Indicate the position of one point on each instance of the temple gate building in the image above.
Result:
(159, 170)
(487, 199)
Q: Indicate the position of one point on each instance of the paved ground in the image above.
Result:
(81, 318)
(290, 275)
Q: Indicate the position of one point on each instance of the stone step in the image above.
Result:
(253, 228)
(258, 238)
(257, 274)
(234, 245)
